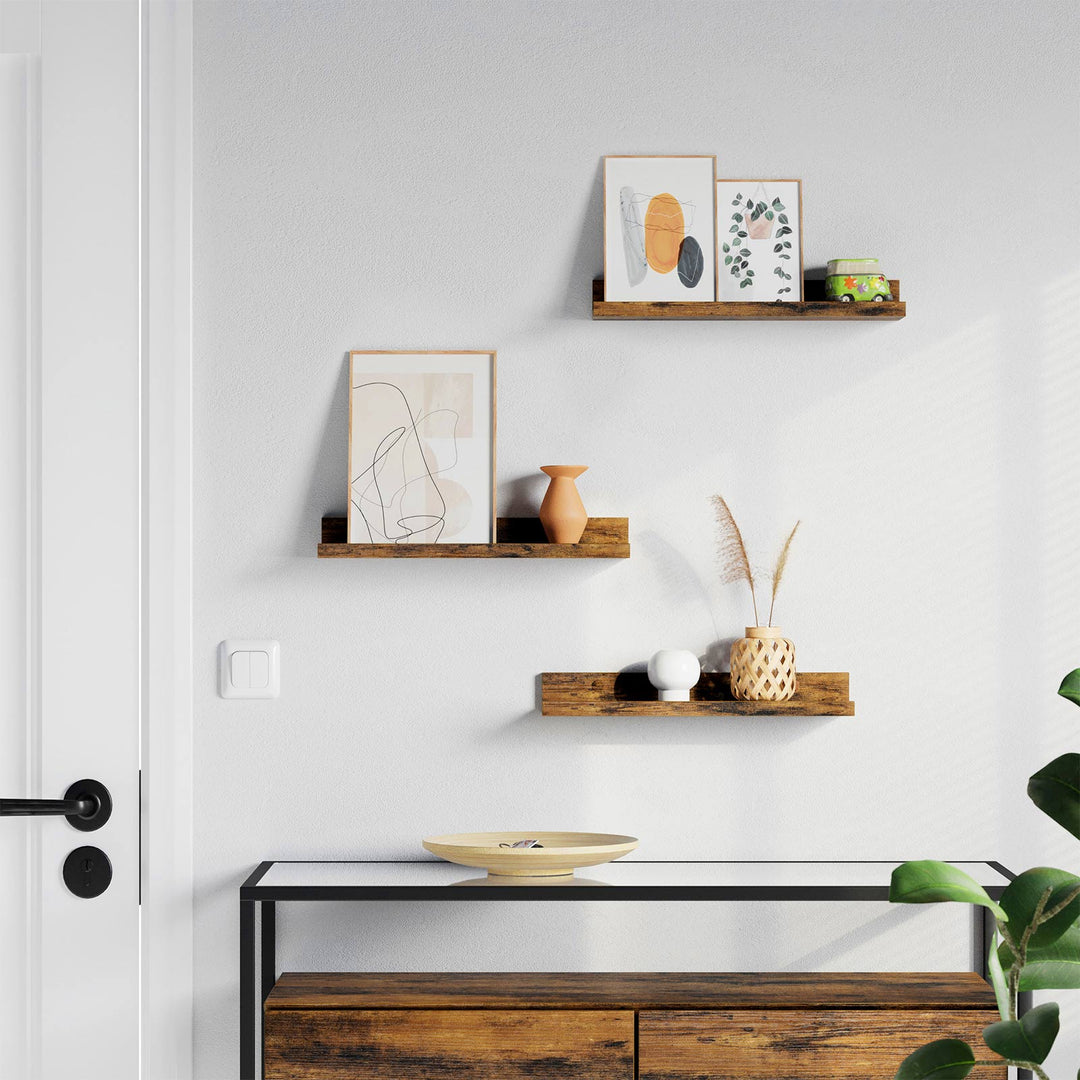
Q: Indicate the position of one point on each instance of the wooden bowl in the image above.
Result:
(561, 854)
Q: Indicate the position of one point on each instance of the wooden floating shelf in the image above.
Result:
(516, 538)
(609, 693)
(815, 306)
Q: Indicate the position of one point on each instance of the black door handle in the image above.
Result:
(87, 805)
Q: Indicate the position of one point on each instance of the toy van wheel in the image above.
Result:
(846, 298)
(878, 298)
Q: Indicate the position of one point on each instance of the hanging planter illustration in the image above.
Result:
(755, 219)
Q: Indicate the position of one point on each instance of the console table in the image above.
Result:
(281, 881)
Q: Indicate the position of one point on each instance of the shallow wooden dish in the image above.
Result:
(562, 852)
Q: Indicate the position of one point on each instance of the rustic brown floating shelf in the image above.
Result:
(609, 693)
(815, 306)
(516, 538)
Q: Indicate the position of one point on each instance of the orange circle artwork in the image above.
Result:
(663, 233)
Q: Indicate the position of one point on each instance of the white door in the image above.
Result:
(70, 535)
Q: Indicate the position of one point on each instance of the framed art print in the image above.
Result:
(759, 240)
(421, 447)
(659, 228)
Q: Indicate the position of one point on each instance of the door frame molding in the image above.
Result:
(167, 873)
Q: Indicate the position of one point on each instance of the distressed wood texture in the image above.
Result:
(463, 1044)
(840, 1045)
(815, 306)
(516, 538)
(610, 693)
(630, 990)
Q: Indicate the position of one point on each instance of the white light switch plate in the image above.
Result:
(249, 668)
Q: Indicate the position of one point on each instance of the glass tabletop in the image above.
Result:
(622, 880)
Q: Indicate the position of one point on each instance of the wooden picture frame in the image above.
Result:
(422, 440)
(651, 251)
(734, 286)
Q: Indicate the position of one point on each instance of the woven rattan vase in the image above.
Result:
(763, 665)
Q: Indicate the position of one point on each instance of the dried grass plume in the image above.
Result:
(731, 551)
(781, 563)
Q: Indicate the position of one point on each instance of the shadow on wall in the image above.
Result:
(329, 483)
(588, 259)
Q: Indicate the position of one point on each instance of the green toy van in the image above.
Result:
(856, 279)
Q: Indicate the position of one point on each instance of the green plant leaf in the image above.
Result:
(727, 247)
(741, 235)
(998, 979)
(778, 204)
(782, 218)
(761, 208)
(736, 202)
(1055, 790)
(1021, 897)
(945, 1059)
(778, 247)
(749, 273)
(744, 251)
(930, 882)
(787, 243)
(1051, 967)
(734, 229)
(768, 215)
(1070, 687)
(1027, 1039)
(727, 259)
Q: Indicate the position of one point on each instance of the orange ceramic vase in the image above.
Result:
(562, 513)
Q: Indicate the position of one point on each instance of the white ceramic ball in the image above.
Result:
(673, 672)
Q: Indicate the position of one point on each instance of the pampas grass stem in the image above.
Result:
(731, 551)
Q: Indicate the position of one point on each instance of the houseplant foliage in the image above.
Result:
(1036, 945)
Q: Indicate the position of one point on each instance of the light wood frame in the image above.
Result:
(716, 230)
(716, 242)
(494, 419)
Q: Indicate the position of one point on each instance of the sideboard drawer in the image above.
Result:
(463, 1044)
(850, 1044)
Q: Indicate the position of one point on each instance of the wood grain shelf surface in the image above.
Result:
(611, 693)
(516, 538)
(815, 306)
(630, 990)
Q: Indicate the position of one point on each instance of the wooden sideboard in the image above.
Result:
(615, 1026)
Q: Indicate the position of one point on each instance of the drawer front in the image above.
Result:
(462, 1044)
(850, 1044)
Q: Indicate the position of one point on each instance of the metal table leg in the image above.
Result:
(248, 1034)
(985, 927)
(268, 963)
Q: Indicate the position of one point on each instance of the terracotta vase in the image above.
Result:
(562, 513)
(763, 665)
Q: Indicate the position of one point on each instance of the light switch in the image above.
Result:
(249, 669)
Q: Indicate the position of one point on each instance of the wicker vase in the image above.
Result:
(763, 665)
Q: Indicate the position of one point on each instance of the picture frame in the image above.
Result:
(659, 212)
(765, 218)
(422, 427)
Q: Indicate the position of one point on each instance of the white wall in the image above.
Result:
(427, 175)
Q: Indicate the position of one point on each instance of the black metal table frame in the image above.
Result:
(259, 966)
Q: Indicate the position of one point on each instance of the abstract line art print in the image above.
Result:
(659, 228)
(759, 236)
(421, 447)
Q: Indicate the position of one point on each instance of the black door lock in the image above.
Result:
(87, 872)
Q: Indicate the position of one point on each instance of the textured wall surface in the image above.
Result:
(427, 175)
